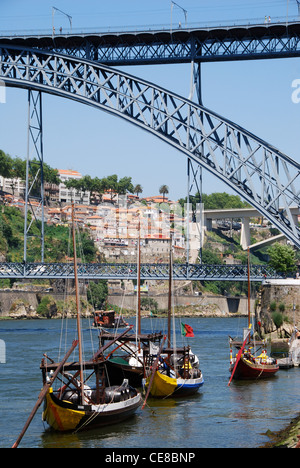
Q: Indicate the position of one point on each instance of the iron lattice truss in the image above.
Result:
(262, 175)
(236, 42)
(129, 271)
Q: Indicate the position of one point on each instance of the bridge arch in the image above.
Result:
(262, 175)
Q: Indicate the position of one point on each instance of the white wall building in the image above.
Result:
(71, 195)
(14, 186)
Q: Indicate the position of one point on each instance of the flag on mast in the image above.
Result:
(187, 330)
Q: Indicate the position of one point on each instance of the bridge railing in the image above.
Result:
(154, 271)
(152, 27)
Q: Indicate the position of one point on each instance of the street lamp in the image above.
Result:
(287, 10)
(54, 10)
(184, 12)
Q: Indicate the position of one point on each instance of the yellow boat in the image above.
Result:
(162, 385)
(60, 415)
(63, 415)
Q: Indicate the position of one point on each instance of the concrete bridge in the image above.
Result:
(244, 215)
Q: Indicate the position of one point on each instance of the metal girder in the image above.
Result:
(155, 271)
(262, 175)
(34, 192)
(183, 45)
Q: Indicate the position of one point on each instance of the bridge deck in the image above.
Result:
(235, 42)
(93, 271)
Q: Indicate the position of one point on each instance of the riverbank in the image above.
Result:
(287, 438)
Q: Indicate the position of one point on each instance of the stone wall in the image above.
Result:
(9, 300)
(204, 305)
(22, 304)
(282, 292)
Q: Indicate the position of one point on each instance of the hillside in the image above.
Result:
(57, 245)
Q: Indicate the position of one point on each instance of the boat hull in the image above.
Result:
(64, 416)
(188, 387)
(121, 369)
(247, 370)
(164, 386)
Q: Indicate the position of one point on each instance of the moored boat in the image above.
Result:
(174, 385)
(85, 399)
(247, 364)
(128, 361)
(108, 319)
(65, 412)
(177, 372)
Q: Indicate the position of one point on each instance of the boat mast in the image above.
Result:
(77, 306)
(139, 280)
(249, 290)
(170, 294)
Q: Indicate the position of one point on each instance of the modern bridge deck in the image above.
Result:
(235, 42)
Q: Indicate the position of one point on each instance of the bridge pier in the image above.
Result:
(34, 148)
(245, 234)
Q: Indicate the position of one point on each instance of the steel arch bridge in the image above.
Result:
(262, 175)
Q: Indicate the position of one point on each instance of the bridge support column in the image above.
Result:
(208, 224)
(195, 94)
(245, 233)
(34, 191)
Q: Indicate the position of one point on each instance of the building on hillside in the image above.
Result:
(15, 186)
(71, 195)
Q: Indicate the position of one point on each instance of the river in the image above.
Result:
(219, 416)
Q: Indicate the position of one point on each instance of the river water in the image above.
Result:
(217, 417)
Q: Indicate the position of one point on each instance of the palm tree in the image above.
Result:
(138, 189)
(164, 189)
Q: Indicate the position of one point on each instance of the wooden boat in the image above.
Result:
(136, 351)
(79, 404)
(65, 410)
(163, 385)
(248, 365)
(171, 380)
(85, 401)
(252, 367)
(108, 319)
(139, 351)
(177, 373)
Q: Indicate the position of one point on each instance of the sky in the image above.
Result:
(255, 94)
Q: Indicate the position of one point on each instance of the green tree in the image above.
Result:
(216, 201)
(97, 294)
(19, 168)
(5, 164)
(209, 257)
(125, 186)
(282, 258)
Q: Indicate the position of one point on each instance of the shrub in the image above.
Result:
(47, 307)
(282, 307)
(277, 318)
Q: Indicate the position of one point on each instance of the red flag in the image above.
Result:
(187, 330)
